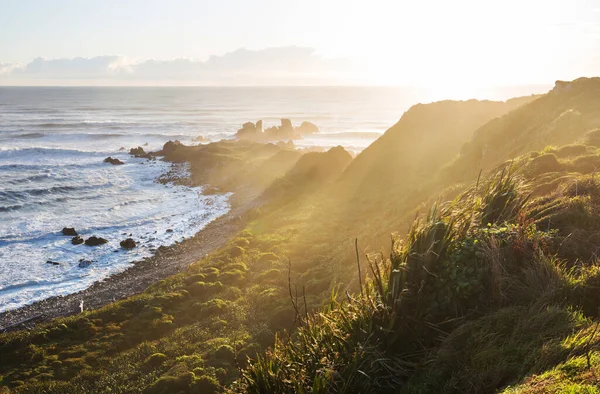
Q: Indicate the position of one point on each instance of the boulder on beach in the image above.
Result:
(95, 241)
(114, 161)
(69, 231)
(169, 230)
(84, 263)
(77, 240)
(128, 243)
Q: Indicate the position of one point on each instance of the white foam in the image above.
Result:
(130, 202)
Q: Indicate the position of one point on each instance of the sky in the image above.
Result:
(452, 45)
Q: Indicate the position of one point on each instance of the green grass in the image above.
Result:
(469, 301)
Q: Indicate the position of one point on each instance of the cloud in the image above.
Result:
(7, 68)
(271, 66)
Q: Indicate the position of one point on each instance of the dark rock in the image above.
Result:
(307, 128)
(170, 147)
(52, 262)
(121, 149)
(113, 161)
(84, 263)
(169, 230)
(139, 152)
(128, 244)
(77, 240)
(249, 131)
(95, 241)
(284, 132)
(286, 125)
(69, 231)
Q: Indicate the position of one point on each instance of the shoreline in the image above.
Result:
(166, 261)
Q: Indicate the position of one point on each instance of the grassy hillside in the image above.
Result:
(495, 289)
(426, 137)
(560, 117)
(384, 186)
(478, 297)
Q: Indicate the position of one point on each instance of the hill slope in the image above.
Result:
(426, 137)
(560, 117)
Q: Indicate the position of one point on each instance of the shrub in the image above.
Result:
(586, 164)
(195, 278)
(236, 251)
(225, 353)
(155, 360)
(592, 138)
(267, 257)
(205, 385)
(205, 289)
(233, 276)
(171, 384)
(210, 273)
(211, 307)
(571, 150)
(543, 164)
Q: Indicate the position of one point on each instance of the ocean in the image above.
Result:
(53, 141)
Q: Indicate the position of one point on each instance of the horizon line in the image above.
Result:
(268, 86)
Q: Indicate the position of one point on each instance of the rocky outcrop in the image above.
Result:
(69, 231)
(114, 161)
(307, 128)
(77, 240)
(139, 152)
(284, 132)
(250, 131)
(95, 241)
(52, 262)
(201, 138)
(170, 147)
(128, 244)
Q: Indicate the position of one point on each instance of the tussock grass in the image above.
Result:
(471, 300)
